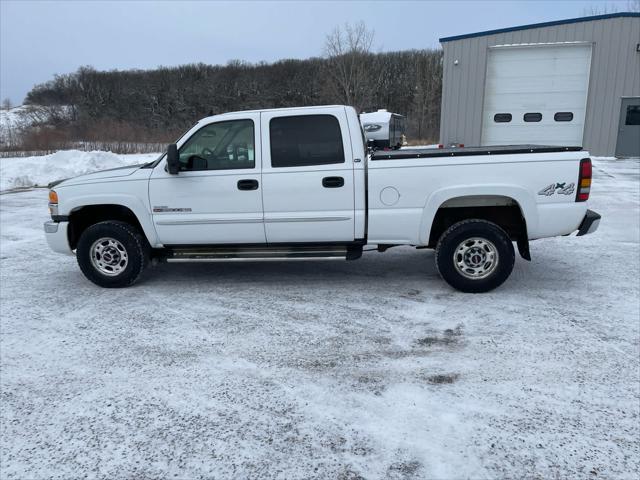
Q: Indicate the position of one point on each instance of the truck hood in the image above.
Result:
(102, 174)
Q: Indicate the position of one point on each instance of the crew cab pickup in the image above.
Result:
(300, 184)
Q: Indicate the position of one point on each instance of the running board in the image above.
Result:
(231, 254)
(247, 259)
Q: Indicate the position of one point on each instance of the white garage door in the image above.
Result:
(536, 94)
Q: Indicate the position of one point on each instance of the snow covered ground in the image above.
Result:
(11, 119)
(16, 173)
(367, 369)
(23, 116)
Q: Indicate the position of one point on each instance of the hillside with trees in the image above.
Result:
(118, 108)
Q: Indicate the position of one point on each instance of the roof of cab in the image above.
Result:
(274, 110)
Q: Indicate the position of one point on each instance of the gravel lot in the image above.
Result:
(367, 369)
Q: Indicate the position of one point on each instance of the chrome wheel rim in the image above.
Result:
(476, 258)
(109, 256)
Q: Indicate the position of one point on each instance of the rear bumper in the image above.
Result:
(590, 223)
(56, 234)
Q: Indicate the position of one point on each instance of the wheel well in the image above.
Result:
(503, 211)
(83, 217)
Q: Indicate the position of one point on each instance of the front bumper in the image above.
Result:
(56, 234)
(590, 223)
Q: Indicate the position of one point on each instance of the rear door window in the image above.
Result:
(305, 140)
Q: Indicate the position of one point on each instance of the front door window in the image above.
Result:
(220, 146)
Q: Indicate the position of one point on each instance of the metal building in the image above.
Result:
(569, 82)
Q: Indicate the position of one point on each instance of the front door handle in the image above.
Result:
(332, 182)
(247, 184)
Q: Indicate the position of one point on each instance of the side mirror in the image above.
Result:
(173, 159)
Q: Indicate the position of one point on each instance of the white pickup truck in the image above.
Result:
(300, 184)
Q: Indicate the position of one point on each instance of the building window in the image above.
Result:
(563, 116)
(305, 140)
(532, 117)
(633, 115)
(502, 117)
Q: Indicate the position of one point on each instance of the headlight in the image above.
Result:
(372, 127)
(53, 202)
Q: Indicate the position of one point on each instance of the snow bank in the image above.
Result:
(39, 171)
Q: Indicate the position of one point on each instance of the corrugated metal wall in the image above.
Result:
(615, 73)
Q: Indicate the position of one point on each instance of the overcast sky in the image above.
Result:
(41, 38)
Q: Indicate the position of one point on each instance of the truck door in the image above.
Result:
(308, 187)
(629, 128)
(216, 198)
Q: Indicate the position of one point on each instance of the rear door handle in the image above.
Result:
(247, 184)
(332, 182)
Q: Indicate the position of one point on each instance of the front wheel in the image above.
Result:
(475, 256)
(112, 254)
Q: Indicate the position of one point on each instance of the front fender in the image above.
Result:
(519, 194)
(133, 203)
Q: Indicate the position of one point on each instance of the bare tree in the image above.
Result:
(348, 51)
(632, 6)
(6, 104)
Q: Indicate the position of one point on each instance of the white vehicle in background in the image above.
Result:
(299, 184)
(383, 129)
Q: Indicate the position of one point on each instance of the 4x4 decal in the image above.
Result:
(560, 188)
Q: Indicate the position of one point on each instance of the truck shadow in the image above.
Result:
(402, 265)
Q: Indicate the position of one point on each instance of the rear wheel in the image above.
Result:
(475, 256)
(112, 254)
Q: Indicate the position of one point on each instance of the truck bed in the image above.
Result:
(468, 151)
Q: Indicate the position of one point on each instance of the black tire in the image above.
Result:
(491, 240)
(126, 236)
